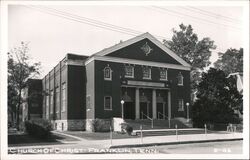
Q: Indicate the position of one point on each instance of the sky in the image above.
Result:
(51, 32)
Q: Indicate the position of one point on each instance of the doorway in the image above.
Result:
(160, 111)
(129, 110)
(144, 110)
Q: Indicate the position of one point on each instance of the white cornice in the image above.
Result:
(138, 62)
(74, 62)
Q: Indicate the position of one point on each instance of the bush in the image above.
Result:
(127, 128)
(39, 128)
(101, 125)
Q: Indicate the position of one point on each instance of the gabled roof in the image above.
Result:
(139, 38)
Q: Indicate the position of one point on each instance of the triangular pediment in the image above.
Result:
(143, 47)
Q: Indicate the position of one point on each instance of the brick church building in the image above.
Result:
(149, 78)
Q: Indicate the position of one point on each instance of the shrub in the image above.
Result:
(39, 128)
(127, 128)
(101, 125)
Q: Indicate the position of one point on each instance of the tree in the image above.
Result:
(20, 69)
(185, 44)
(217, 98)
(12, 101)
(231, 61)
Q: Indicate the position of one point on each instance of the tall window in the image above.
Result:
(146, 73)
(63, 97)
(180, 79)
(180, 105)
(47, 105)
(51, 101)
(57, 99)
(163, 74)
(129, 71)
(107, 73)
(107, 103)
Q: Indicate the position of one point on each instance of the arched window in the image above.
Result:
(107, 73)
(180, 79)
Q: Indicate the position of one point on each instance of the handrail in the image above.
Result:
(152, 121)
(164, 116)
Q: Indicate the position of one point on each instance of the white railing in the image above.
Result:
(163, 115)
(151, 119)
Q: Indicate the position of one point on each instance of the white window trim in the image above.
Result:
(110, 103)
(133, 72)
(51, 109)
(47, 106)
(166, 71)
(182, 107)
(110, 71)
(149, 73)
(181, 76)
(57, 105)
(63, 109)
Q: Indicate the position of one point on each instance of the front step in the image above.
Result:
(157, 124)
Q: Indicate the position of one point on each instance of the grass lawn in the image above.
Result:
(25, 139)
(97, 135)
(106, 135)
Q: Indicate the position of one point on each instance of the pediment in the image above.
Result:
(144, 47)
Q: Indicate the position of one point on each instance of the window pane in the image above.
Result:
(57, 99)
(107, 73)
(129, 71)
(163, 74)
(47, 106)
(63, 97)
(180, 79)
(51, 101)
(146, 73)
(108, 103)
(180, 105)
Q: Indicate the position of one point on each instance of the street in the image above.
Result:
(229, 147)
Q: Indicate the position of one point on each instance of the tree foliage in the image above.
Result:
(185, 44)
(20, 69)
(217, 98)
(231, 61)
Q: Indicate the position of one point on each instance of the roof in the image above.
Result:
(139, 38)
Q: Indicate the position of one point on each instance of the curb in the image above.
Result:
(171, 143)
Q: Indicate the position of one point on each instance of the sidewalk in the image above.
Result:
(173, 139)
(142, 142)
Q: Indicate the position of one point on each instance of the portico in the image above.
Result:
(146, 99)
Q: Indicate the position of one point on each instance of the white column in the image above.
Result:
(137, 104)
(154, 104)
(169, 104)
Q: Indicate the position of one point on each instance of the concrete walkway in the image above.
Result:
(173, 139)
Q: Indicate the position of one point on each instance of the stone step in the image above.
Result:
(157, 124)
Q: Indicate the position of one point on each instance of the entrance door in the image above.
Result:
(160, 111)
(144, 110)
(129, 110)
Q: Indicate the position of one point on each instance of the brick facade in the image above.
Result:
(81, 89)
